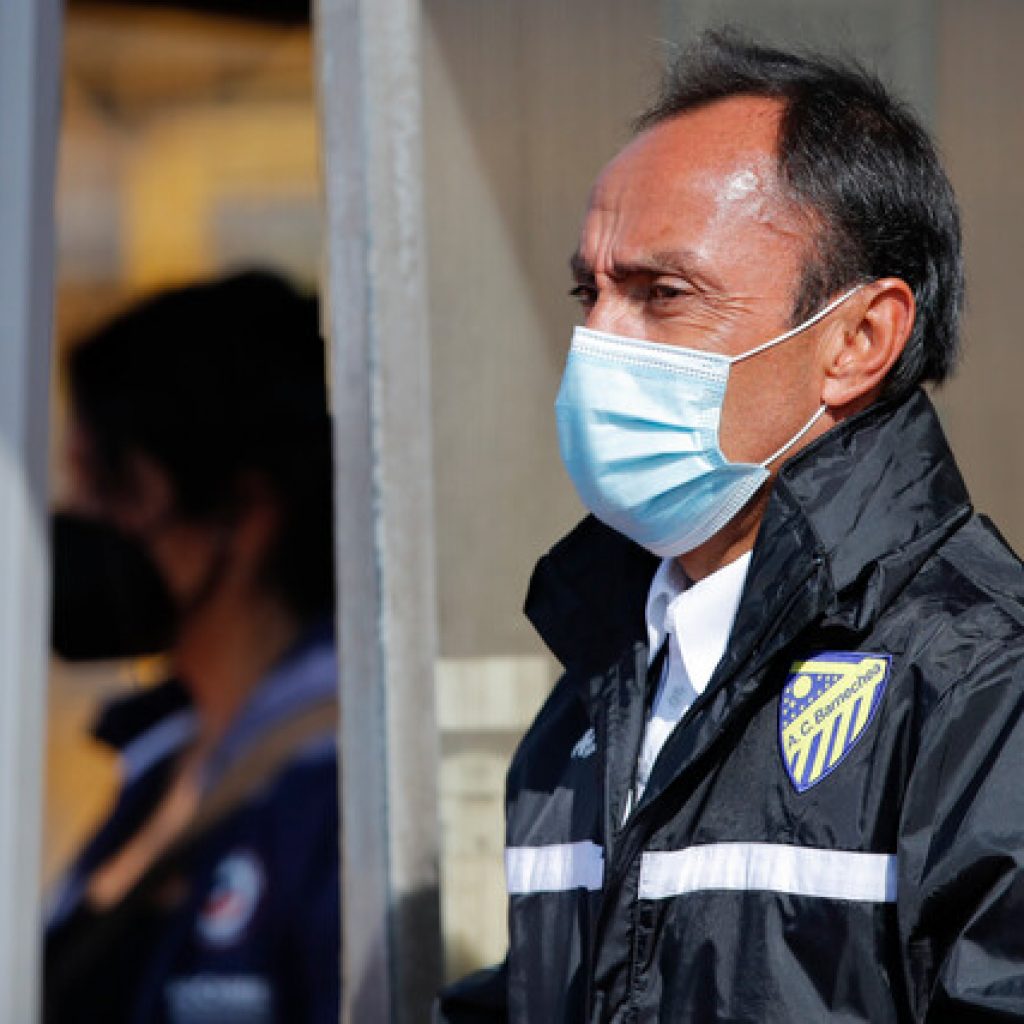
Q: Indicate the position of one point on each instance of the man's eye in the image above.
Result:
(585, 294)
(665, 292)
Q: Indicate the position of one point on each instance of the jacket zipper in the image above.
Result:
(630, 827)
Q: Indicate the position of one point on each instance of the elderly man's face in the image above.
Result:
(689, 240)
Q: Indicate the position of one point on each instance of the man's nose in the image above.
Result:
(611, 314)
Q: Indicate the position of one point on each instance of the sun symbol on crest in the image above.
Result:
(802, 687)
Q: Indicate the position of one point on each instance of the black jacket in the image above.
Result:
(835, 830)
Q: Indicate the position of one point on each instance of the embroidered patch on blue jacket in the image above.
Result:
(826, 705)
(238, 884)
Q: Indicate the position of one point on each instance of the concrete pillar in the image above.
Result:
(29, 120)
(369, 80)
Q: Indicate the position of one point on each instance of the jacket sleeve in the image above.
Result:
(479, 998)
(961, 857)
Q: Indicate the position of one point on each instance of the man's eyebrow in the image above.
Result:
(579, 267)
(666, 261)
(673, 261)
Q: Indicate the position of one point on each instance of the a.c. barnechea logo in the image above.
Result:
(827, 703)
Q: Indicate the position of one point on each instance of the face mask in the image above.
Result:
(109, 600)
(638, 431)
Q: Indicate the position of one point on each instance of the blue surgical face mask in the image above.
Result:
(638, 431)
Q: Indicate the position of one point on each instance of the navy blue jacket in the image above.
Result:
(245, 927)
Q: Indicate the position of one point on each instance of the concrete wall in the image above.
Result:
(980, 80)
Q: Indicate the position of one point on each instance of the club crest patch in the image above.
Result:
(238, 884)
(826, 705)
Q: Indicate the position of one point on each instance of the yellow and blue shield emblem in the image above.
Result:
(826, 705)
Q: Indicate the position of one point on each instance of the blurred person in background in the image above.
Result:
(201, 526)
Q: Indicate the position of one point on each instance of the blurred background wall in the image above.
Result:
(190, 145)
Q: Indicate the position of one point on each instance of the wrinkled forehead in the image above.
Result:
(698, 173)
(716, 140)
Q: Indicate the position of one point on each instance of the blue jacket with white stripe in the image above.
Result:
(244, 925)
(835, 830)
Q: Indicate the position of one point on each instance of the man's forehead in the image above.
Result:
(735, 139)
(717, 132)
(695, 171)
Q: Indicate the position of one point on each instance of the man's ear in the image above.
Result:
(865, 343)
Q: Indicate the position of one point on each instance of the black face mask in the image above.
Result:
(109, 600)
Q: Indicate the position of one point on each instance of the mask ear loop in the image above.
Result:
(796, 438)
(820, 315)
(794, 331)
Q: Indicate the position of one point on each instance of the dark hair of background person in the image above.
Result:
(223, 385)
(861, 163)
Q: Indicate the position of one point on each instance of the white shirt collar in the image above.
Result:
(701, 614)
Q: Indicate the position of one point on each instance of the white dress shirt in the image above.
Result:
(696, 619)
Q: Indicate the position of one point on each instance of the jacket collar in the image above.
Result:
(587, 595)
(877, 494)
(125, 719)
(145, 726)
(866, 502)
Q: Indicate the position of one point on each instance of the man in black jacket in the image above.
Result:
(780, 778)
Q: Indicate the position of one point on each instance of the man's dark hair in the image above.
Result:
(222, 384)
(866, 170)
